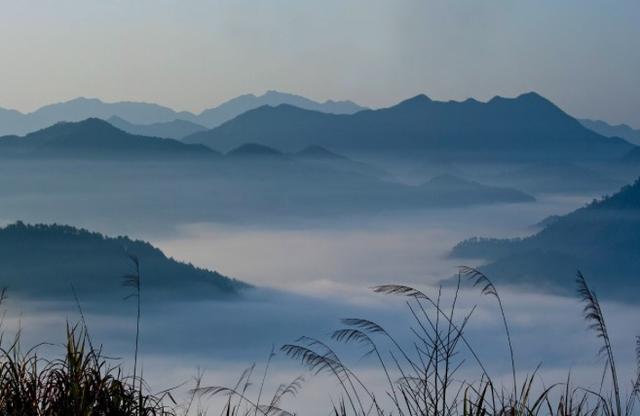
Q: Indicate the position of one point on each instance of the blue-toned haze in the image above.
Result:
(269, 161)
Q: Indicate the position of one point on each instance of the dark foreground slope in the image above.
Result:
(44, 261)
(528, 127)
(601, 239)
(95, 138)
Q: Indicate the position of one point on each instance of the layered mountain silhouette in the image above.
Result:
(176, 129)
(95, 138)
(528, 127)
(78, 109)
(253, 186)
(13, 122)
(608, 130)
(254, 151)
(214, 117)
(321, 156)
(449, 187)
(557, 177)
(48, 260)
(601, 239)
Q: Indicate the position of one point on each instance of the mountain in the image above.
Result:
(95, 138)
(528, 127)
(13, 122)
(452, 188)
(619, 130)
(551, 219)
(253, 186)
(228, 110)
(557, 177)
(601, 239)
(321, 156)
(82, 108)
(253, 150)
(78, 109)
(175, 129)
(45, 260)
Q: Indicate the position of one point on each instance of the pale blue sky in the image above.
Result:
(192, 54)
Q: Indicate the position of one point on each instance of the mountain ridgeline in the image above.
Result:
(602, 239)
(46, 260)
(528, 127)
(141, 115)
(176, 129)
(95, 138)
(229, 110)
(619, 130)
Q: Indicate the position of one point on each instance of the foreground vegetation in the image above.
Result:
(422, 378)
(79, 383)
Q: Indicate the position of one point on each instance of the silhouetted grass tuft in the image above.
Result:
(79, 383)
(423, 376)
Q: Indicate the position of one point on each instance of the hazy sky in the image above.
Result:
(192, 54)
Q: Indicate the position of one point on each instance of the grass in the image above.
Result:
(79, 383)
(422, 378)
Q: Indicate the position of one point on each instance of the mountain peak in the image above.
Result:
(94, 137)
(527, 97)
(116, 119)
(254, 150)
(532, 96)
(89, 125)
(92, 124)
(83, 100)
(274, 93)
(416, 100)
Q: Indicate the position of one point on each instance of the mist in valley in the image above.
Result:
(309, 262)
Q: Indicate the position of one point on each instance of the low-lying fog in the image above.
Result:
(309, 274)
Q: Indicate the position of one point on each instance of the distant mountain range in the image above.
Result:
(176, 129)
(619, 130)
(46, 260)
(601, 239)
(323, 173)
(252, 184)
(525, 128)
(315, 157)
(95, 138)
(231, 109)
(255, 151)
(528, 127)
(13, 122)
